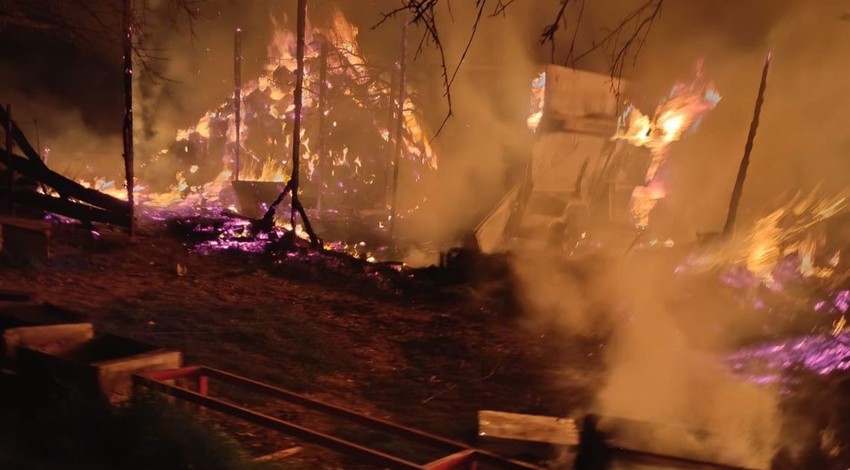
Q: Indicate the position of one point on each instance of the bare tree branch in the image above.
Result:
(90, 22)
(623, 42)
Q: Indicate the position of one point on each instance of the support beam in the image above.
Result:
(127, 18)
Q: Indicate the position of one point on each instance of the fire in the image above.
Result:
(792, 236)
(356, 144)
(680, 112)
(538, 87)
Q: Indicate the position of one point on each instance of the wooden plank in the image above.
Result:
(72, 209)
(531, 428)
(67, 188)
(19, 137)
(53, 336)
(279, 455)
(115, 376)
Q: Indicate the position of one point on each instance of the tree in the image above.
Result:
(622, 42)
(93, 22)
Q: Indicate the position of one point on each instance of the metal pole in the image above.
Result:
(237, 95)
(399, 136)
(10, 171)
(320, 143)
(745, 161)
(299, 93)
(128, 109)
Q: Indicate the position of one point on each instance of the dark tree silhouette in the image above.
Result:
(622, 42)
(95, 22)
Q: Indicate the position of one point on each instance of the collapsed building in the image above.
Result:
(577, 173)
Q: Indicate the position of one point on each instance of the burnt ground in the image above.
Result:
(427, 360)
(424, 348)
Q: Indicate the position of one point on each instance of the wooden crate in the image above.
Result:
(101, 367)
(46, 336)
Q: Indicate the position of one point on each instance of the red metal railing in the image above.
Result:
(461, 455)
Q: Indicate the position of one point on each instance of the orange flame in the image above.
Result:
(681, 111)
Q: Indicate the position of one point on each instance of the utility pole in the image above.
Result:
(128, 109)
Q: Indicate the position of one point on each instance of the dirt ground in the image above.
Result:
(431, 362)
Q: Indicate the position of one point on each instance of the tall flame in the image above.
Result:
(789, 236)
(538, 88)
(268, 106)
(681, 111)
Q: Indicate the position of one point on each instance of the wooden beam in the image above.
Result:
(279, 455)
(62, 185)
(19, 138)
(530, 428)
(72, 209)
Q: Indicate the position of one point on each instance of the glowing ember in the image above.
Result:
(681, 111)
(822, 354)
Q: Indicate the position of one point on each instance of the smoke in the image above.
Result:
(800, 143)
(663, 341)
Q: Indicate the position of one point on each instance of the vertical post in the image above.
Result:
(10, 170)
(320, 143)
(237, 96)
(745, 161)
(390, 122)
(203, 385)
(203, 389)
(298, 96)
(399, 135)
(128, 108)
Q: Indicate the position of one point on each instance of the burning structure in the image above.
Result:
(593, 157)
(682, 326)
(347, 143)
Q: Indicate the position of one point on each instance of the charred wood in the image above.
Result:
(66, 188)
(74, 210)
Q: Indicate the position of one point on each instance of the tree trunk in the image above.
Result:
(299, 95)
(745, 161)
